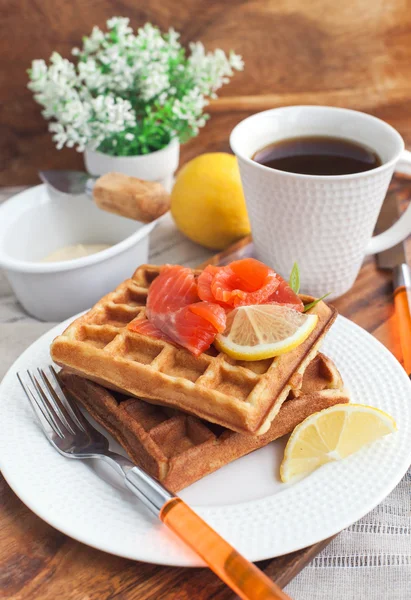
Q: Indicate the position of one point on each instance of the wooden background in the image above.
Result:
(355, 53)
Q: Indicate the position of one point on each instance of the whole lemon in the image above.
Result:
(207, 201)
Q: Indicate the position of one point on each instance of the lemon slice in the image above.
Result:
(332, 434)
(264, 330)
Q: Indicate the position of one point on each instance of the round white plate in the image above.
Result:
(244, 501)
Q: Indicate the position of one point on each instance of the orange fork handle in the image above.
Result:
(402, 300)
(239, 574)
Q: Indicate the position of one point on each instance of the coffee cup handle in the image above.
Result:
(401, 228)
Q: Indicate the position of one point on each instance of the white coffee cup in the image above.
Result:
(325, 223)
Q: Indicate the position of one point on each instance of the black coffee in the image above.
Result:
(318, 155)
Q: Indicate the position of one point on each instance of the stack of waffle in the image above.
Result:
(230, 407)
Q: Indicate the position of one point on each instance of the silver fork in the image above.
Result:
(73, 436)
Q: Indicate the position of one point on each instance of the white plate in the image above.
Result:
(244, 501)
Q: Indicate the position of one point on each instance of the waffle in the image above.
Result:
(179, 449)
(242, 396)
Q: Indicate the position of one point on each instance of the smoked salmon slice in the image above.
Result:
(145, 327)
(174, 309)
(285, 295)
(245, 282)
(211, 312)
(204, 283)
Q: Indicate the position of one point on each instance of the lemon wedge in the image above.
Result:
(332, 434)
(264, 330)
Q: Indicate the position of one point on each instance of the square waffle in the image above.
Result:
(242, 396)
(179, 449)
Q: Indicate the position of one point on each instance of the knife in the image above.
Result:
(120, 194)
(395, 259)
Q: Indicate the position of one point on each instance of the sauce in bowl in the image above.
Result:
(73, 252)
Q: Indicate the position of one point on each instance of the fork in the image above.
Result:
(73, 436)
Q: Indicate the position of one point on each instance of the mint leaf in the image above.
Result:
(312, 304)
(295, 278)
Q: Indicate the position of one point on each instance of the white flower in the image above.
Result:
(91, 75)
(172, 39)
(121, 78)
(190, 109)
(236, 61)
(94, 42)
(121, 24)
(154, 82)
(37, 73)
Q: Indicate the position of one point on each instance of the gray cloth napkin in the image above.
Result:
(370, 560)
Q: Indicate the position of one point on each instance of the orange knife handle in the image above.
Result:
(247, 581)
(402, 301)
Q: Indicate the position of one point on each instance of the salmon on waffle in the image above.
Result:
(127, 344)
(179, 449)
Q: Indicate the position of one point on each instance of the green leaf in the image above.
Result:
(295, 278)
(312, 304)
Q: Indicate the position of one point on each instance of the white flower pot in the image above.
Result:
(157, 166)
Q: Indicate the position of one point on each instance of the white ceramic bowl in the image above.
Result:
(36, 222)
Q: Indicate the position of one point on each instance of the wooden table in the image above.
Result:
(39, 563)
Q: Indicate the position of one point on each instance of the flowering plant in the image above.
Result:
(129, 94)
